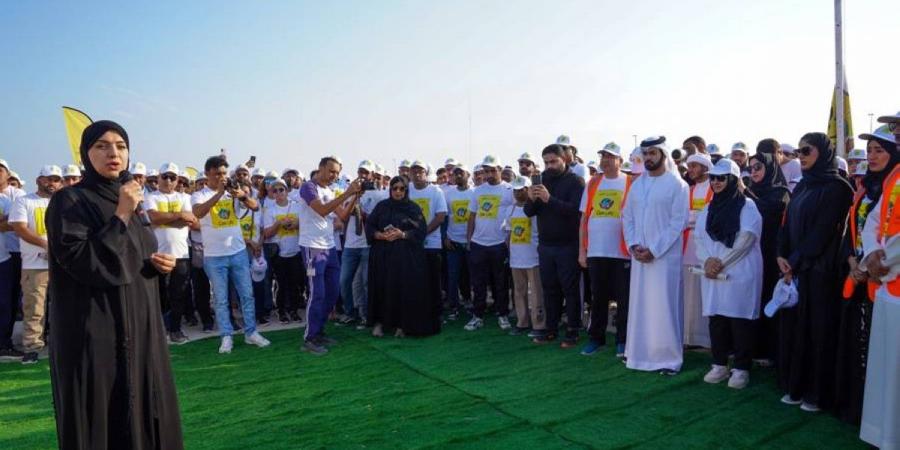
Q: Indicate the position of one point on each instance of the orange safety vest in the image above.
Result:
(890, 222)
(687, 231)
(592, 189)
(849, 283)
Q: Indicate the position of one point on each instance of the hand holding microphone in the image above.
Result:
(131, 197)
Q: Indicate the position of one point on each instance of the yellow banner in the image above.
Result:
(832, 120)
(76, 121)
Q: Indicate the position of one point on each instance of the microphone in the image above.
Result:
(124, 177)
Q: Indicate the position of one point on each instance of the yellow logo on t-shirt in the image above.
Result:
(607, 204)
(520, 230)
(222, 214)
(425, 204)
(40, 228)
(488, 206)
(282, 232)
(247, 226)
(460, 211)
(168, 207)
(698, 203)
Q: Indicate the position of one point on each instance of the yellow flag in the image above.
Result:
(191, 171)
(76, 122)
(832, 120)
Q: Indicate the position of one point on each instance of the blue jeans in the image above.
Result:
(456, 260)
(234, 268)
(324, 287)
(352, 260)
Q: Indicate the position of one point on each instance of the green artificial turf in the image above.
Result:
(459, 389)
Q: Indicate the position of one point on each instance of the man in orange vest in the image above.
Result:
(602, 249)
(696, 326)
(881, 401)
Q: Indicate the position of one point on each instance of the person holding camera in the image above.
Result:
(224, 249)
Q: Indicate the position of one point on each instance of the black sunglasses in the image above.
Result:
(721, 178)
(399, 188)
(757, 167)
(805, 151)
(169, 177)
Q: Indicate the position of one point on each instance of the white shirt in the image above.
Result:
(458, 213)
(12, 239)
(366, 204)
(523, 239)
(432, 202)
(220, 228)
(700, 194)
(605, 223)
(582, 171)
(171, 240)
(491, 206)
(287, 240)
(31, 210)
(315, 231)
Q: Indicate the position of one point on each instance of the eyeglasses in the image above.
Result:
(756, 167)
(398, 189)
(805, 151)
(719, 178)
(169, 177)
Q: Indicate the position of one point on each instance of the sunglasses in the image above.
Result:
(805, 151)
(719, 178)
(756, 167)
(278, 190)
(169, 177)
(398, 189)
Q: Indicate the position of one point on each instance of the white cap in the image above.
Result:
(478, 168)
(15, 176)
(726, 166)
(626, 167)
(451, 162)
(169, 168)
(861, 168)
(258, 172)
(271, 174)
(378, 169)
(279, 181)
(367, 165)
(404, 163)
(612, 148)
(420, 163)
(857, 154)
(637, 161)
(740, 147)
(152, 173)
(788, 148)
(4, 164)
(881, 133)
(491, 161)
(201, 176)
(71, 171)
(51, 171)
(187, 176)
(713, 149)
(564, 140)
(287, 170)
(520, 182)
(138, 168)
(702, 159)
(462, 167)
(890, 119)
(526, 157)
(592, 165)
(258, 268)
(842, 164)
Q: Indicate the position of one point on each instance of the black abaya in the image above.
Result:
(398, 283)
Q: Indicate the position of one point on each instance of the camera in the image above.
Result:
(232, 184)
(367, 185)
(678, 155)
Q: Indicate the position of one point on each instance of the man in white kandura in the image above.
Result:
(654, 218)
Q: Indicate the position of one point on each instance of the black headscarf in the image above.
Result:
(106, 188)
(874, 181)
(773, 180)
(825, 169)
(723, 220)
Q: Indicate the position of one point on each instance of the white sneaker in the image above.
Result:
(503, 321)
(227, 343)
(257, 340)
(809, 407)
(787, 400)
(716, 375)
(474, 324)
(739, 379)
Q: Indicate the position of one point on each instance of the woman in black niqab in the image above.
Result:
(397, 281)
(109, 363)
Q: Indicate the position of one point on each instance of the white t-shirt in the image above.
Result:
(605, 223)
(491, 206)
(171, 240)
(220, 228)
(5, 207)
(11, 238)
(523, 239)
(701, 194)
(366, 204)
(315, 231)
(287, 240)
(432, 202)
(582, 171)
(31, 210)
(458, 215)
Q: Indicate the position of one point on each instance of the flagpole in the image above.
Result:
(839, 80)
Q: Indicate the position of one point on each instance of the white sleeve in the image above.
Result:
(268, 217)
(196, 198)
(186, 203)
(151, 202)
(582, 206)
(19, 212)
(743, 243)
(628, 230)
(702, 242)
(440, 202)
(869, 232)
(672, 231)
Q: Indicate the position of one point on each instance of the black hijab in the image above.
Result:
(106, 188)
(874, 181)
(825, 169)
(723, 220)
(773, 180)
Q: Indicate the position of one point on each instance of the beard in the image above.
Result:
(651, 166)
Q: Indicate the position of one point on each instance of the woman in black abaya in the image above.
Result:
(397, 293)
(109, 363)
(809, 252)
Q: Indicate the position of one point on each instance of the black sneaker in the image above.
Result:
(8, 354)
(295, 317)
(30, 358)
(346, 320)
(262, 321)
(178, 338)
(314, 348)
(284, 318)
(544, 339)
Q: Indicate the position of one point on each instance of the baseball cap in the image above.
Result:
(72, 171)
(404, 163)
(477, 168)
(526, 157)
(187, 176)
(564, 140)
(451, 162)
(367, 165)
(491, 161)
(378, 169)
(726, 167)
(520, 182)
(881, 133)
(739, 147)
(138, 168)
(4, 164)
(258, 172)
(51, 171)
(420, 163)
(857, 154)
(626, 167)
(289, 170)
(462, 167)
(890, 119)
(169, 168)
(152, 173)
(612, 148)
(713, 149)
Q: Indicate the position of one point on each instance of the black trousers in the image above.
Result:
(729, 333)
(175, 291)
(289, 271)
(560, 276)
(610, 280)
(488, 265)
(433, 270)
(200, 284)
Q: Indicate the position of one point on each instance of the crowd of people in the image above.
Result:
(774, 257)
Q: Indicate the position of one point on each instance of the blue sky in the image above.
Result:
(292, 81)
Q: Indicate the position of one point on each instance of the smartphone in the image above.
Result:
(536, 180)
(252, 162)
(389, 228)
